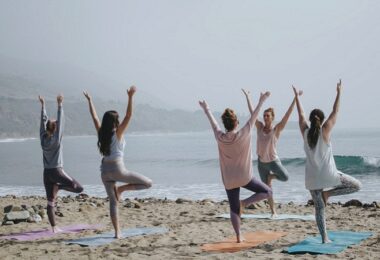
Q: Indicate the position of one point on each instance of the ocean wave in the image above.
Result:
(358, 164)
(347, 163)
(350, 164)
(16, 140)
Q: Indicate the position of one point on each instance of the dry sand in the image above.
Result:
(191, 224)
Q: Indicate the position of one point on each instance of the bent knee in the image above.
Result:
(149, 183)
(78, 188)
(283, 177)
(269, 192)
(358, 185)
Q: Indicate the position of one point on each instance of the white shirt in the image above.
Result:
(116, 149)
(320, 171)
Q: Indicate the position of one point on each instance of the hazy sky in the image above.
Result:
(182, 51)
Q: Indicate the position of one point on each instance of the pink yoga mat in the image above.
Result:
(46, 233)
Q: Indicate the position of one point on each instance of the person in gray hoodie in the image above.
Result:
(55, 178)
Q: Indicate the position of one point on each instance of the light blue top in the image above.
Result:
(116, 149)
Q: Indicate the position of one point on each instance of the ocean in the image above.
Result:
(186, 165)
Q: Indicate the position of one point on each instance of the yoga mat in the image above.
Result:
(340, 241)
(46, 233)
(106, 238)
(251, 240)
(268, 216)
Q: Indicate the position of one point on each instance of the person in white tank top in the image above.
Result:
(320, 169)
(269, 165)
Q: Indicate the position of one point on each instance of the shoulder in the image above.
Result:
(259, 124)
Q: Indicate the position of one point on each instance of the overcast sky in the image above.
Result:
(182, 51)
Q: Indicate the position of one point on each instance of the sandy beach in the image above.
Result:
(190, 224)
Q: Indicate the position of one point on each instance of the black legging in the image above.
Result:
(56, 179)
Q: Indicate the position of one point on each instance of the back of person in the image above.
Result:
(321, 171)
(52, 151)
(235, 155)
(116, 149)
(52, 147)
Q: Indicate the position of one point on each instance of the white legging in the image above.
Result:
(349, 185)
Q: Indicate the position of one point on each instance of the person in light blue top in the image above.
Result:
(55, 178)
(111, 145)
(322, 178)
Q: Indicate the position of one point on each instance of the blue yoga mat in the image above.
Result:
(106, 238)
(340, 241)
(268, 216)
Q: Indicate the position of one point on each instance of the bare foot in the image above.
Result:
(271, 177)
(56, 229)
(240, 239)
(117, 194)
(118, 236)
(241, 208)
(274, 215)
(327, 241)
(325, 197)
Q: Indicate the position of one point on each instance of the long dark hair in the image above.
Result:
(229, 119)
(110, 121)
(316, 119)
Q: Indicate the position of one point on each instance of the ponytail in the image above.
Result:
(110, 121)
(316, 119)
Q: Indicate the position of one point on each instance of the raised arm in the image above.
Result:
(44, 117)
(281, 125)
(60, 117)
(255, 113)
(211, 118)
(301, 115)
(250, 107)
(124, 124)
(94, 115)
(331, 120)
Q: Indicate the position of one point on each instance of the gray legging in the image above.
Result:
(349, 185)
(275, 167)
(115, 171)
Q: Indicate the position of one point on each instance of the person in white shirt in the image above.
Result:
(320, 170)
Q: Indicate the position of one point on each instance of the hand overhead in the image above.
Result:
(203, 104)
(41, 99)
(87, 95)
(60, 99)
(131, 91)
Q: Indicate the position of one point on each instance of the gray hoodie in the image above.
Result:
(51, 146)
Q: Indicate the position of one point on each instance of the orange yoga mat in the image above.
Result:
(252, 239)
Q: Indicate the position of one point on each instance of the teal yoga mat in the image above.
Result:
(106, 238)
(340, 241)
(268, 216)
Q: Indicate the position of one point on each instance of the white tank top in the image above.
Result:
(320, 171)
(117, 149)
(266, 145)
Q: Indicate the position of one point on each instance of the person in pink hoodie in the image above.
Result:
(235, 157)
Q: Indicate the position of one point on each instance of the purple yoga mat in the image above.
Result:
(46, 233)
